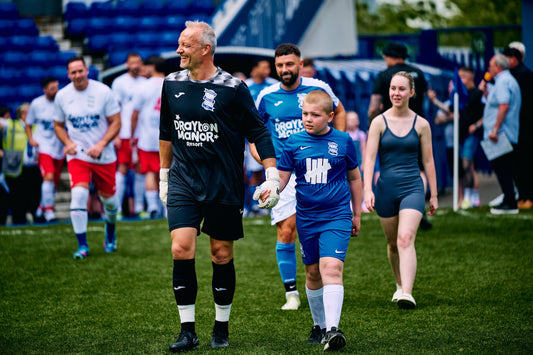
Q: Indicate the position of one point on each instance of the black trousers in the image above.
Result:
(505, 169)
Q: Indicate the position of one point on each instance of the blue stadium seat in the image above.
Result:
(118, 57)
(23, 43)
(97, 42)
(153, 7)
(128, 7)
(126, 24)
(102, 9)
(205, 7)
(177, 8)
(77, 26)
(75, 10)
(15, 59)
(34, 74)
(28, 92)
(7, 27)
(169, 38)
(149, 23)
(26, 27)
(119, 41)
(6, 92)
(93, 72)
(63, 57)
(148, 40)
(99, 25)
(8, 10)
(10, 75)
(173, 23)
(48, 43)
(60, 73)
(42, 58)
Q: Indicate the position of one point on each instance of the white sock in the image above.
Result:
(47, 194)
(110, 208)
(78, 209)
(316, 305)
(222, 312)
(121, 189)
(138, 191)
(468, 194)
(333, 297)
(187, 313)
(152, 200)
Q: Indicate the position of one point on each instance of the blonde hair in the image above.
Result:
(319, 97)
(408, 77)
(22, 108)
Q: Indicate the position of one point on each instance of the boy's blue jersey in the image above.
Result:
(321, 164)
(281, 110)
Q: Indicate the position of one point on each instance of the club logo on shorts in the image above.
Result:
(209, 100)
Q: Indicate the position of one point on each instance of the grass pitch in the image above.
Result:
(474, 291)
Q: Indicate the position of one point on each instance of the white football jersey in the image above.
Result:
(85, 115)
(125, 88)
(41, 116)
(148, 103)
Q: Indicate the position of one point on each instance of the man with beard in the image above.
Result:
(280, 106)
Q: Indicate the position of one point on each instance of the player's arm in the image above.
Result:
(29, 133)
(372, 144)
(284, 177)
(376, 101)
(134, 122)
(356, 192)
(112, 130)
(429, 165)
(62, 135)
(339, 120)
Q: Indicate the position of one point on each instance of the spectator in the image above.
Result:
(524, 148)
(87, 119)
(501, 119)
(41, 135)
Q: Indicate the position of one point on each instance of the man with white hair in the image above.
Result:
(501, 121)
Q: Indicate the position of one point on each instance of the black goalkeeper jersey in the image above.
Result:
(207, 121)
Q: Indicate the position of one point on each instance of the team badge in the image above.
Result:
(301, 98)
(209, 100)
(333, 148)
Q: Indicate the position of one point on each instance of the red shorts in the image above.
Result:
(49, 165)
(103, 175)
(124, 153)
(149, 161)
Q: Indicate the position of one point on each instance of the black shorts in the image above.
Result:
(220, 222)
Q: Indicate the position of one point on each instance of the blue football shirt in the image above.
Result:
(320, 164)
(281, 109)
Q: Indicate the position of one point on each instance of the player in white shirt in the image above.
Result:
(49, 147)
(146, 112)
(87, 119)
(125, 87)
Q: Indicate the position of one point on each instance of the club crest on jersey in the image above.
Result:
(301, 98)
(209, 100)
(333, 148)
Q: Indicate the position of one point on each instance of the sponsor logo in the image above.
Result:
(84, 123)
(177, 96)
(339, 251)
(195, 133)
(317, 171)
(278, 103)
(178, 288)
(218, 289)
(304, 148)
(287, 128)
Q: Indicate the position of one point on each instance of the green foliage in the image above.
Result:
(473, 290)
(399, 18)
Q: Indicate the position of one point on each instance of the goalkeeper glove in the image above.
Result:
(163, 185)
(271, 183)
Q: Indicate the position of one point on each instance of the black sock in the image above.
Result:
(188, 326)
(223, 283)
(184, 282)
(221, 327)
(290, 286)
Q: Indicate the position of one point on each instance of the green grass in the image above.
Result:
(474, 291)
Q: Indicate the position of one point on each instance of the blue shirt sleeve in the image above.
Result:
(351, 154)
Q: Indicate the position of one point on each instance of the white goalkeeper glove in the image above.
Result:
(271, 183)
(163, 185)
